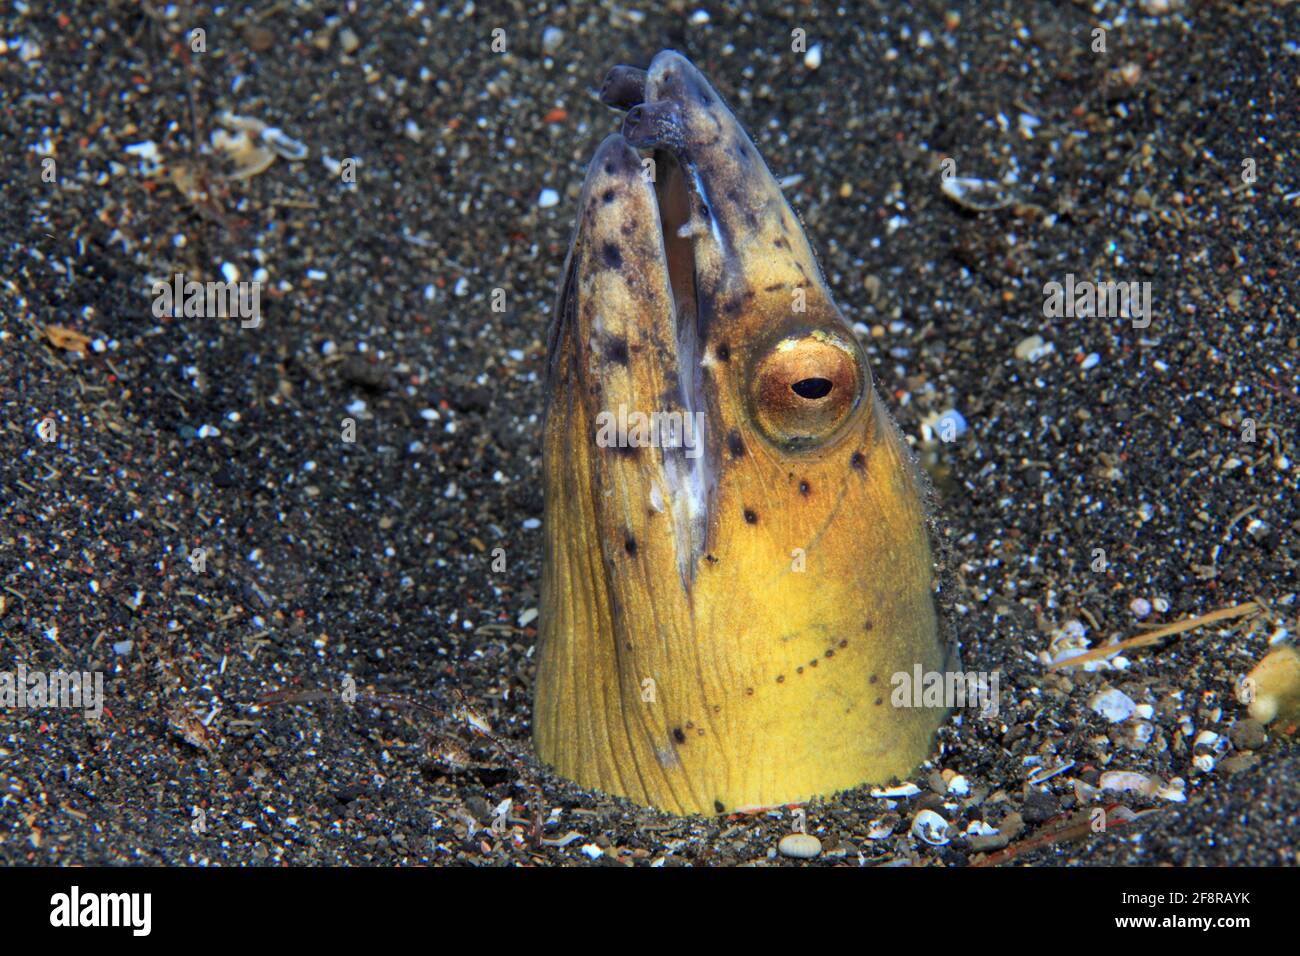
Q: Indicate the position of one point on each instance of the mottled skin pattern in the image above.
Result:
(719, 634)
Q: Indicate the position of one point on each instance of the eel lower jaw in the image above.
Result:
(690, 474)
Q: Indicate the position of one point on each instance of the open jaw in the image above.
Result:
(680, 294)
(708, 188)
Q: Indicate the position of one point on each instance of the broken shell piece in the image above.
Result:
(1044, 773)
(1113, 704)
(980, 195)
(902, 790)
(1124, 781)
(70, 340)
(881, 827)
(930, 827)
(1175, 791)
(1210, 742)
(284, 146)
(1139, 733)
(249, 158)
(253, 145)
(1272, 689)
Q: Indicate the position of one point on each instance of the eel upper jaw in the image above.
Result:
(742, 232)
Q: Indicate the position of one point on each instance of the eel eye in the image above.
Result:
(804, 388)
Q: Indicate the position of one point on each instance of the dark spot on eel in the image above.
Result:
(804, 488)
(718, 807)
(735, 445)
(858, 461)
(613, 258)
(629, 545)
(750, 516)
(616, 350)
(678, 735)
(723, 352)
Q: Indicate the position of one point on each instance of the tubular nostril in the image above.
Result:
(624, 87)
(655, 125)
(812, 388)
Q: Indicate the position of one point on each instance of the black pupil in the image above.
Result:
(812, 387)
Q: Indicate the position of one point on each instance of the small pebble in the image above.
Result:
(1247, 734)
(800, 846)
(1033, 348)
(548, 198)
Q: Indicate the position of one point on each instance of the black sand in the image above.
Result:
(373, 558)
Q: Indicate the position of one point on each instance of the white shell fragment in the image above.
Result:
(1124, 781)
(1113, 704)
(1174, 791)
(1043, 773)
(980, 195)
(881, 827)
(930, 827)
(892, 793)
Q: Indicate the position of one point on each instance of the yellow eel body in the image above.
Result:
(736, 556)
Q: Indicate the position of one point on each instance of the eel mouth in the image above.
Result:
(688, 267)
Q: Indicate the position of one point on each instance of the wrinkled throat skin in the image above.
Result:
(722, 614)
